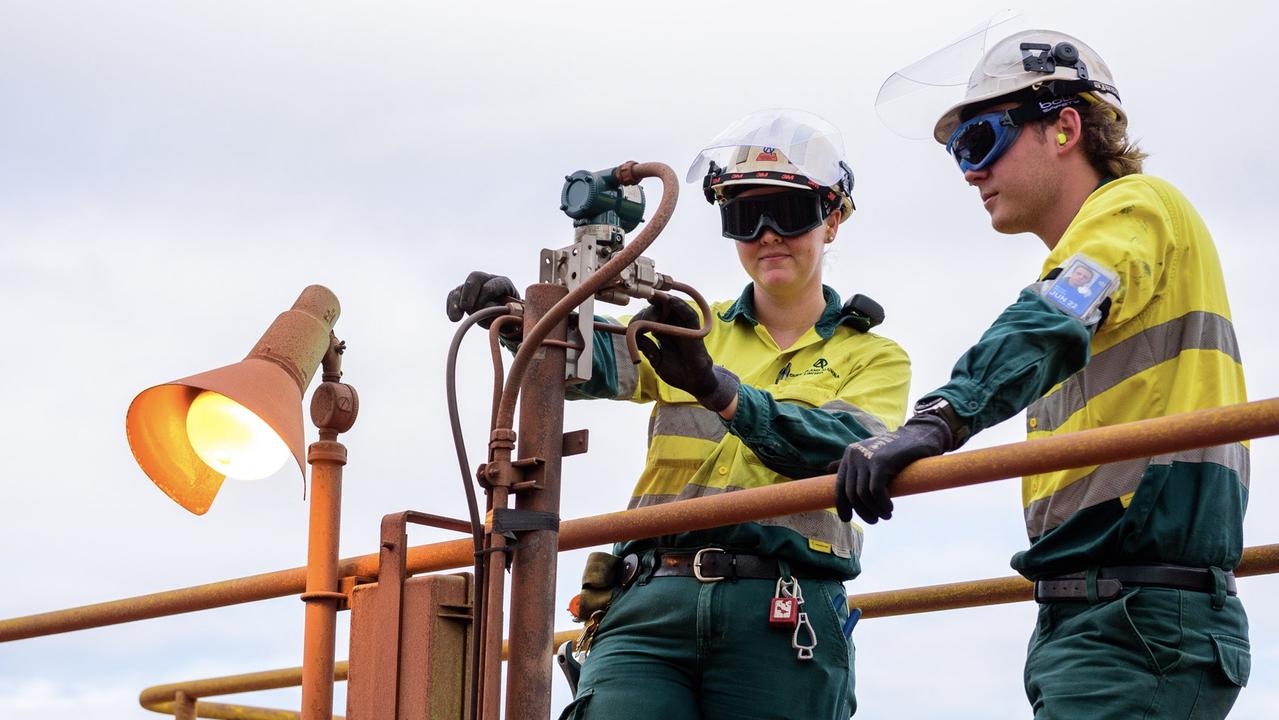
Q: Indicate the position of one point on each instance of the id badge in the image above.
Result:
(1082, 285)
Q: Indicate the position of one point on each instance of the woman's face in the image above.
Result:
(786, 266)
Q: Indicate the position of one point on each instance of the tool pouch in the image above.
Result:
(601, 576)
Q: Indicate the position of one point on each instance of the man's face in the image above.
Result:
(1019, 188)
(1080, 276)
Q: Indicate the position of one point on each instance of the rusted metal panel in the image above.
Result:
(429, 679)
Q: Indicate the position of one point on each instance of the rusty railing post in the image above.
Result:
(333, 409)
(541, 435)
(183, 706)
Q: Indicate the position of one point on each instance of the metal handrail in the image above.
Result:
(1257, 560)
(1143, 438)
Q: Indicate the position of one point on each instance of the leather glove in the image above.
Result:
(870, 466)
(683, 362)
(481, 290)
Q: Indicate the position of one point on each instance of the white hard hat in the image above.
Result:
(782, 147)
(1046, 62)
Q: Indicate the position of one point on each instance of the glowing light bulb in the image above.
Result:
(229, 438)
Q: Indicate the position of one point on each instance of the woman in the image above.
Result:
(784, 381)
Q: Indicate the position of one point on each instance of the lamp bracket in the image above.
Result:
(334, 406)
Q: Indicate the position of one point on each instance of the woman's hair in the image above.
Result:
(1106, 143)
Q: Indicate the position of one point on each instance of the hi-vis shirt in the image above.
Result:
(1166, 346)
(797, 409)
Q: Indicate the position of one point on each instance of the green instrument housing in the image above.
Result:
(598, 198)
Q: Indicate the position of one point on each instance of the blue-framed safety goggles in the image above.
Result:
(983, 139)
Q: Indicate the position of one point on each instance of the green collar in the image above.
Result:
(832, 316)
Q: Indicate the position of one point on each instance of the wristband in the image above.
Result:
(726, 384)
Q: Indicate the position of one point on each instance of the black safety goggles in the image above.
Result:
(786, 213)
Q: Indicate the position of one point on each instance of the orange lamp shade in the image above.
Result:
(264, 390)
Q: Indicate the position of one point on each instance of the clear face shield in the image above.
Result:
(813, 145)
(911, 99)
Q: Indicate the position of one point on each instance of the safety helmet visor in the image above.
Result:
(910, 100)
(787, 213)
(813, 146)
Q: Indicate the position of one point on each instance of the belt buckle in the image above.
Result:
(697, 565)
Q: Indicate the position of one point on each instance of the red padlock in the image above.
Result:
(783, 612)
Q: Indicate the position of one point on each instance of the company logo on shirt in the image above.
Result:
(820, 366)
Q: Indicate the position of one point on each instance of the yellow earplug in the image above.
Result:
(1061, 138)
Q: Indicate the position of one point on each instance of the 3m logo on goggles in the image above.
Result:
(786, 213)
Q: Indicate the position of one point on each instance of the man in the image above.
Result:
(1138, 614)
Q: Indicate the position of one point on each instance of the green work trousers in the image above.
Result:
(1150, 653)
(675, 648)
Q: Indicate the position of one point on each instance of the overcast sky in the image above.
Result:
(173, 174)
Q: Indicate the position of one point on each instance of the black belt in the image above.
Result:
(715, 564)
(1112, 580)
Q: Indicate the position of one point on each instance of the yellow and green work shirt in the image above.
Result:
(1165, 346)
(797, 409)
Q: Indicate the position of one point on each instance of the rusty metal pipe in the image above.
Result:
(1144, 438)
(479, 558)
(630, 174)
(183, 706)
(161, 698)
(640, 326)
(232, 684)
(1257, 560)
(541, 435)
(322, 596)
(489, 681)
(495, 349)
(220, 711)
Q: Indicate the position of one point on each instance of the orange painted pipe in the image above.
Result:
(1257, 560)
(161, 698)
(1144, 438)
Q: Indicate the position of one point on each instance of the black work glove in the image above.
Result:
(481, 290)
(683, 362)
(870, 466)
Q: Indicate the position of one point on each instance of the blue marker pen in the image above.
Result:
(853, 616)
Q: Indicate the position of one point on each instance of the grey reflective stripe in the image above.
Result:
(873, 425)
(844, 539)
(825, 526)
(691, 421)
(1115, 480)
(1146, 349)
(627, 371)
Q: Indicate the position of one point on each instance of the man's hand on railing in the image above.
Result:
(870, 466)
